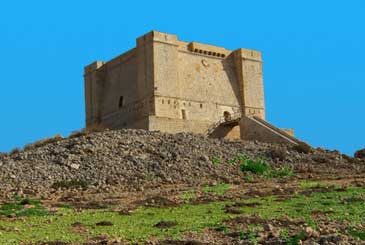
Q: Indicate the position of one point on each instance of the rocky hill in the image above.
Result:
(136, 186)
(138, 159)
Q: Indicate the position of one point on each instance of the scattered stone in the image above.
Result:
(75, 166)
(165, 224)
(310, 232)
(104, 223)
(132, 159)
(360, 154)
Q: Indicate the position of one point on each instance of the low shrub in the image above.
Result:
(257, 167)
(216, 160)
(238, 159)
(88, 130)
(43, 142)
(15, 150)
(76, 134)
(357, 233)
(302, 147)
(23, 207)
(219, 189)
(278, 153)
(260, 167)
(69, 184)
(285, 171)
(348, 158)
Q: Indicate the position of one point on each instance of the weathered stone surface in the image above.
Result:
(140, 159)
(174, 86)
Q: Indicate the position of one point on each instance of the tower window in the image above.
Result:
(201, 105)
(183, 114)
(121, 102)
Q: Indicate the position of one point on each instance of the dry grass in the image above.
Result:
(91, 129)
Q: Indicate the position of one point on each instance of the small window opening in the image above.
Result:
(201, 105)
(163, 102)
(183, 114)
(121, 102)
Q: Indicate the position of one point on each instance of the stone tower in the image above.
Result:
(174, 86)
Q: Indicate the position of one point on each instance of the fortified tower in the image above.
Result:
(175, 86)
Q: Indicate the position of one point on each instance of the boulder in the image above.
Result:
(360, 154)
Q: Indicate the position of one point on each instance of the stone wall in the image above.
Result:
(231, 132)
(174, 86)
(200, 85)
(258, 129)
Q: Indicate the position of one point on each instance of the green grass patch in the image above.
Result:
(282, 172)
(136, 227)
(219, 189)
(188, 195)
(331, 204)
(249, 178)
(216, 160)
(357, 233)
(306, 184)
(23, 207)
(342, 206)
(260, 167)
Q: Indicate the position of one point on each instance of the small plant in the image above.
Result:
(285, 171)
(188, 196)
(76, 134)
(90, 129)
(348, 158)
(302, 147)
(65, 205)
(219, 189)
(15, 151)
(249, 178)
(43, 142)
(278, 153)
(216, 160)
(295, 240)
(260, 167)
(239, 158)
(357, 233)
(284, 234)
(23, 207)
(257, 167)
(69, 184)
(306, 184)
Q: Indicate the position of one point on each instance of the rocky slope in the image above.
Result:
(138, 159)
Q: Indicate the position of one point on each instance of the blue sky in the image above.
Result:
(314, 59)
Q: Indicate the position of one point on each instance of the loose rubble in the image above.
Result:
(139, 159)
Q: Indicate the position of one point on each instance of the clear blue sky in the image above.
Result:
(314, 59)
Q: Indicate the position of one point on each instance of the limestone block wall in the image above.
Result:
(173, 86)
(231, 132)
(249, 73)
(252, 128)
(119, 93)
(194, 81)
(172, 125)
